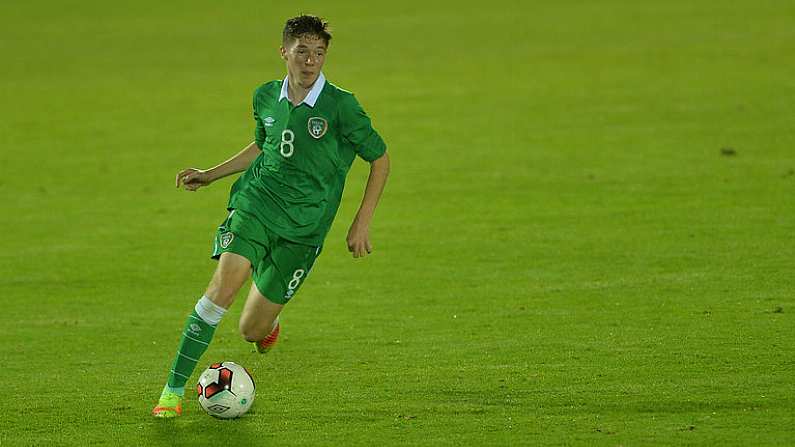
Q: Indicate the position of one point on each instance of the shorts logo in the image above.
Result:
(226, 239)
(268, 121)
(317, 126)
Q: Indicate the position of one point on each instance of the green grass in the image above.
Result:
(563, 256)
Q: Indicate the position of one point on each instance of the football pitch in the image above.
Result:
(587, 238)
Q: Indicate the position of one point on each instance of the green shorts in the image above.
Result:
(279, 266)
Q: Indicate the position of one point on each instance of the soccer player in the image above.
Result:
(308, 132)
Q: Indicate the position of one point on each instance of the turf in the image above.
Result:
(587, 237)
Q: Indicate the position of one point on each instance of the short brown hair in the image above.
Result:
(306, 24)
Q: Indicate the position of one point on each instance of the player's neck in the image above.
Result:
(296, 94)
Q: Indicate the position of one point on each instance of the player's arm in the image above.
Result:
(359, 233)
(193, 179)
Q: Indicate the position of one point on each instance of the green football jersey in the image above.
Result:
(295, 185)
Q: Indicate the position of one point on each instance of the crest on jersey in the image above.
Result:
(226, 239)
(317, 126)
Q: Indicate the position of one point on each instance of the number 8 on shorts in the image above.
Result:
(297, 275)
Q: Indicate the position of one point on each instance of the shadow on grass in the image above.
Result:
(198, 428)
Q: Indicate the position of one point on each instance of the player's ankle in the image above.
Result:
(179, 391)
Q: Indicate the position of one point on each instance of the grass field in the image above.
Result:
(587, 237)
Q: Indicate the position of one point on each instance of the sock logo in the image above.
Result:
(195, 328)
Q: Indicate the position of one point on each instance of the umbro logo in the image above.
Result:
(218, 408)
(195, 328)
(268, 121)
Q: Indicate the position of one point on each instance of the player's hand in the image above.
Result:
(192, 179)
(359, 240)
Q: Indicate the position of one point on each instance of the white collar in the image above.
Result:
(311, 97)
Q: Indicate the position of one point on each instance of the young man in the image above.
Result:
(308, 132)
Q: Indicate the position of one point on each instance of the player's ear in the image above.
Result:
(283, 52)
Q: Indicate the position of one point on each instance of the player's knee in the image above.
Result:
(251, 337)
(250, 333)
(253, 331)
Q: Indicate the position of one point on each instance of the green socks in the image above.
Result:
(196, 336)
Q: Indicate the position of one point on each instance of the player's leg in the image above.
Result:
(259, 322)
(276, 281)
(231, 273)
(240, 244)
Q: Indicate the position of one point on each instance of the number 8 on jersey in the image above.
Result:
(286, 147)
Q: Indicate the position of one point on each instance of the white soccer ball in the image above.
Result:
(226, 390)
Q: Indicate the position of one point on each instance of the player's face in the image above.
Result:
(305, 57)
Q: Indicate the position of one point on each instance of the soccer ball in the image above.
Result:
(226, 390)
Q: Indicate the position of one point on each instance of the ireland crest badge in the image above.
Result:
(226, 239)
(317, 126)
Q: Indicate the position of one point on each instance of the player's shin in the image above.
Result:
(196, 336)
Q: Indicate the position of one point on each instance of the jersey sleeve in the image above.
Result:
(259, 130)
(357, 129)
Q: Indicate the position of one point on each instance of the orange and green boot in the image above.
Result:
(267, 343)
(169, 405)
